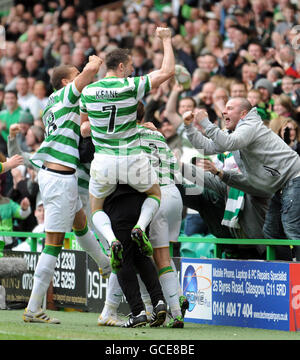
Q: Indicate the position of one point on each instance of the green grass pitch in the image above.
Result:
(83, 326)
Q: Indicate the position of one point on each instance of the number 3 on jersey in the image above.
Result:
(112, 117)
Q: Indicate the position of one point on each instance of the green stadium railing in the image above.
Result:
(218, 242)
(19, 234)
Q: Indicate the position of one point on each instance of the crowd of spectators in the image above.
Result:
(247, 48)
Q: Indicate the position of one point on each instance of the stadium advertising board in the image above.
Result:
(253, 294)
(77, 282)
(96, 290)
(69, 280)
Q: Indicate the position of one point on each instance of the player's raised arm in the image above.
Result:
(88, 73)
(167, 69)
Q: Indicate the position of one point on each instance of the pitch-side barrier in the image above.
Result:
(247, 293)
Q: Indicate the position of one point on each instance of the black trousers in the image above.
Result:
(134, 262)
(124, 207)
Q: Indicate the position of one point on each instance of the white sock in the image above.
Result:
(42, 277)
(109, 309)
(169, 286)
(89, 243)
(114, 295)
(102, 225)
(149, 208)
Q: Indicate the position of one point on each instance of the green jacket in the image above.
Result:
(8, 211)
(8, 119)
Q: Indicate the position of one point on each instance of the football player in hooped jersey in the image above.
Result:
(110, 105)
(57, 159)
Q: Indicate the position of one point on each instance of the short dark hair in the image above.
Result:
(290, 6)
(189, 98)
(14, 92)
(116, 57)
(266, 14)
(139, 50)
(256, 42)
(59, 73)
(242, 29)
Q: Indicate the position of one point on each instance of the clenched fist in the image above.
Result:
(163, 33)
(188, 117)
(200, 115)
(25, 203)
(96, 59)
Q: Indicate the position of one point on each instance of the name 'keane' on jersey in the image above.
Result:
(106, 94)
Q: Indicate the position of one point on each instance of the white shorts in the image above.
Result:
(107, 170)
(166, 223)
(61, 200)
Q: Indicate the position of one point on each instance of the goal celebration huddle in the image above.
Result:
(134, 207)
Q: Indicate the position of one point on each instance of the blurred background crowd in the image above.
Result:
(247, 48)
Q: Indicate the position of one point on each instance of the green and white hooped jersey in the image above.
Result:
(111, 104)
(61, 118)
(161, 157)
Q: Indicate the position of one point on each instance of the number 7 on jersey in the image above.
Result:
(111, 125)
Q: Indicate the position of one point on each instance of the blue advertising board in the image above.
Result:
(242, 293)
